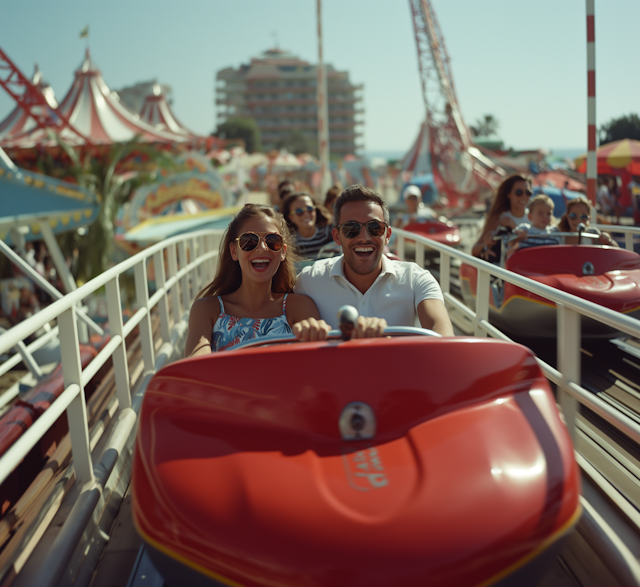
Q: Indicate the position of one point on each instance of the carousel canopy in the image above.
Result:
(157, 113)
(95, 112)
(30, 199)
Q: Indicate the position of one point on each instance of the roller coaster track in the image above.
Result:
(57, 532)
(29, 97)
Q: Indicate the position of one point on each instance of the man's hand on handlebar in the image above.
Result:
(312, 330)
(369, 327)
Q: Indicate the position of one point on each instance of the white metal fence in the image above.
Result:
(185, 264)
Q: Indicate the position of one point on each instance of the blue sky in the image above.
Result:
(520, 60)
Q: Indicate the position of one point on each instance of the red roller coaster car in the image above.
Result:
(405, 471)
(604, 275)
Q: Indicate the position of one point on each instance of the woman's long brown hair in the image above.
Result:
(501, 203)
(563, 225)
(229, 275)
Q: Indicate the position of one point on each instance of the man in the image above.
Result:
(394, 291)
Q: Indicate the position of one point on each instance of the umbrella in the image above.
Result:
(613, 157)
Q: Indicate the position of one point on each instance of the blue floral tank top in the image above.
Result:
(230, 331)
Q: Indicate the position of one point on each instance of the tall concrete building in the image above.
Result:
(278, 90)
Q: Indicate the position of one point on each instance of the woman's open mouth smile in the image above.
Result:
(260, 265)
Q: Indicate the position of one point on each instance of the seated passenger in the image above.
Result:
(540, 217)
(579, 211)
(311, 224)
(363, 277)
(250, 296)
(416, 210)
(508, 209)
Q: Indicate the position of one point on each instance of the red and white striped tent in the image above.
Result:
(18, 123)
(94, 112)
(156, 112)
(417, 161)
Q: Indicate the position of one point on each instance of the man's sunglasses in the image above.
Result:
(248, 241)
(301, 211)
(573, 216)
(519, 192)
(352, 229)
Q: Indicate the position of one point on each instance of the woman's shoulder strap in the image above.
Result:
(284, 303)
(221, 305)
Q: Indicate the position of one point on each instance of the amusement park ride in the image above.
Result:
(467, 476)
(444, 146)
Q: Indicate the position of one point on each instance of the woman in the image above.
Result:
(509, 209)
(249, 296)
(579, 211)
(311, 223)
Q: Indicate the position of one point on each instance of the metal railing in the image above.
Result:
(631, 233)
(569, 310)
(185, 264)
(177, 278)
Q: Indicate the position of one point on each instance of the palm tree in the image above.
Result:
(99, 174)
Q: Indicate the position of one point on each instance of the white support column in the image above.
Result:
(68, 282)
(482, 301)
(569, 338)
(77, 410)
(184, 281)
(445, 272)
(163, 304)
(400, 246)
(193, 275)
(142, 298)
(172, 263)
(420, 254)
(120, 366)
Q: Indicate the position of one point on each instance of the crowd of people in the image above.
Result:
(20, 296)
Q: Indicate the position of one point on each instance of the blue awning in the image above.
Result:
(28, 199)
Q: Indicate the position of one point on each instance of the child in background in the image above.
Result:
(540, 223)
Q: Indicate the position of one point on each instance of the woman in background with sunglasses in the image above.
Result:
(579, 211)
(310, 223)
(509, 209)
(250, 294)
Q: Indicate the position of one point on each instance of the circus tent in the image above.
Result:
(95, 112)
(157, 113)
(18, 123)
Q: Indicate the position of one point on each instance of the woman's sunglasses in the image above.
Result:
(352, 229)
(248, 241)
(573, 216)
(301, 211)
(519, 192)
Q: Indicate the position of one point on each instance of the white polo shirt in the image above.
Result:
(394, 295)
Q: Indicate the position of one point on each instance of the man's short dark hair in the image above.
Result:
(359, 193)
(285, 187)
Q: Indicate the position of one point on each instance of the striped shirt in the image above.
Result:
(309, 246)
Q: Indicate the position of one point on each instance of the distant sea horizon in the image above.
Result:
(564, 153)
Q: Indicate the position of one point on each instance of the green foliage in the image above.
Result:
(92, 250)
(625, 127)
(486, 126)
(241, 128)
(297, 142)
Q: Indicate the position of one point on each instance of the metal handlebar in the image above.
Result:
(507, 238)
(334, 335)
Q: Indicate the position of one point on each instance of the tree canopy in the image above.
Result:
(625, 127)
(486, 126)
(241, 128)
(297, 142)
